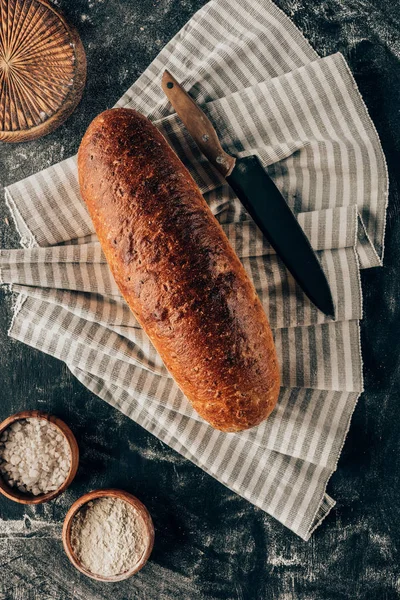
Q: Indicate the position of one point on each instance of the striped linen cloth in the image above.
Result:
(270, 94)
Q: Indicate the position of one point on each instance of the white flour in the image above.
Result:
(108, 536)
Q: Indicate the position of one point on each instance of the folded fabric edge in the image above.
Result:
(364, 108)
(16, 309)
(326, 503)
(27, 239)
(366, 251)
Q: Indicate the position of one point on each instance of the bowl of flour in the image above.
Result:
(39, 457)
(108, 535)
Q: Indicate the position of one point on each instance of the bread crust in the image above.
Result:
(177, 271)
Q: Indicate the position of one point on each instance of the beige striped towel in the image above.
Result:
(269, 94)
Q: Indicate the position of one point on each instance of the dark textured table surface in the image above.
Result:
(210, 543)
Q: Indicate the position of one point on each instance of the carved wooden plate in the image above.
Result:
(42, 69)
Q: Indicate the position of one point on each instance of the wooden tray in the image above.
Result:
(42, 69)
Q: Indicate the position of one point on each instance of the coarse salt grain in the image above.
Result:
(34, 457)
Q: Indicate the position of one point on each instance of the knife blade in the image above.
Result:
(260, 197)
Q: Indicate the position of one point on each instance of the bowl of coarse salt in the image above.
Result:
(108, 535)
(39, 457)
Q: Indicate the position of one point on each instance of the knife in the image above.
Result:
(259, 195)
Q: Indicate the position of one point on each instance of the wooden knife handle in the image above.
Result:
(198, 125)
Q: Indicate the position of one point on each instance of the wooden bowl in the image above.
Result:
(113, 493)
(42, 69)
(24, 497)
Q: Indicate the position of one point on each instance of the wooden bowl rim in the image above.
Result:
(24, 498)
(104, 493)
(71, 100)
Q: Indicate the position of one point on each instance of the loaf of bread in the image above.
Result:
(177, 271)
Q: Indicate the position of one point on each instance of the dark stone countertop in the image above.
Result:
(210, 543)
